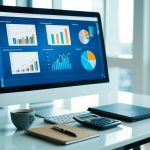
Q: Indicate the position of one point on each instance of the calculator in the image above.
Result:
(98, 122)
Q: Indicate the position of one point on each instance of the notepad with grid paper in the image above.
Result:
(48, 133)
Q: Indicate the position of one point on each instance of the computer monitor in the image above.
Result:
(42, 50)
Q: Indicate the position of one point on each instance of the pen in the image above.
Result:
(64, 131)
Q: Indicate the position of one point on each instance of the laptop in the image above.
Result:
(124, 112)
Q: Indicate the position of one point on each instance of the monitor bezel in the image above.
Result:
(14, 9)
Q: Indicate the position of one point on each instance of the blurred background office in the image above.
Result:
(127, 37)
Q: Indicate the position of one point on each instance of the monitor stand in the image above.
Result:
(47, 109)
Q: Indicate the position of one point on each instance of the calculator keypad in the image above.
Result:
(104, 123)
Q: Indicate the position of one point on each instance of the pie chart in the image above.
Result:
(88, 60)
(84, 36)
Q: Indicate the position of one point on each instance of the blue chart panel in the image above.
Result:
(62, 63)
(88, 60)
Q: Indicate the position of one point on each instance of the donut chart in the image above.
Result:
(84, 36)
(88, 60)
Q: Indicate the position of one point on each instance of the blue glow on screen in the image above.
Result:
(40, 51)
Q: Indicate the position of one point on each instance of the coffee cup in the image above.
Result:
(22, 118)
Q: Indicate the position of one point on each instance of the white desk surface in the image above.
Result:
(126, 133)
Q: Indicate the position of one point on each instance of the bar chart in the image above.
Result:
(58, 35)
(91, 31)
(24, 62)
(62, 63)
(21, 35)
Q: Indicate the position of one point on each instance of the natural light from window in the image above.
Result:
(77, 5)
(9, 2)
(42, 3)
(83, 102)
(119, 28)
(125, 21)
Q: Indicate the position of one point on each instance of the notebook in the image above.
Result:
(48, 133)
(124, 112)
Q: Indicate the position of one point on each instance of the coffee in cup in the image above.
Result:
(22, 118)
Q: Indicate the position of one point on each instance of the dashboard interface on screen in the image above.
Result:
(43, 49)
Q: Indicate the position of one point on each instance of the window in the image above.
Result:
(125, 26)
(119, 41)
(42, 4)
(125, 80)
(88, 5)
(9, 2)
(126, 21)
(77, 5)
(120, 79)
(119, 27)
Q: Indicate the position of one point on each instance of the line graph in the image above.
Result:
(62, 63)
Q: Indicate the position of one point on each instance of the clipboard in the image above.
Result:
(49, 134)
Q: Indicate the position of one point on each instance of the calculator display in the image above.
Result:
(87, 117)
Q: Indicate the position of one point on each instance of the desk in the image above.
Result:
(125, 134)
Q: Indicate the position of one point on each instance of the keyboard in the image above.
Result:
(67, 118)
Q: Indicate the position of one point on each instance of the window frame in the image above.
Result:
(141, 54)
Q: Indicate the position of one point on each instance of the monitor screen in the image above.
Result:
(50, 48)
